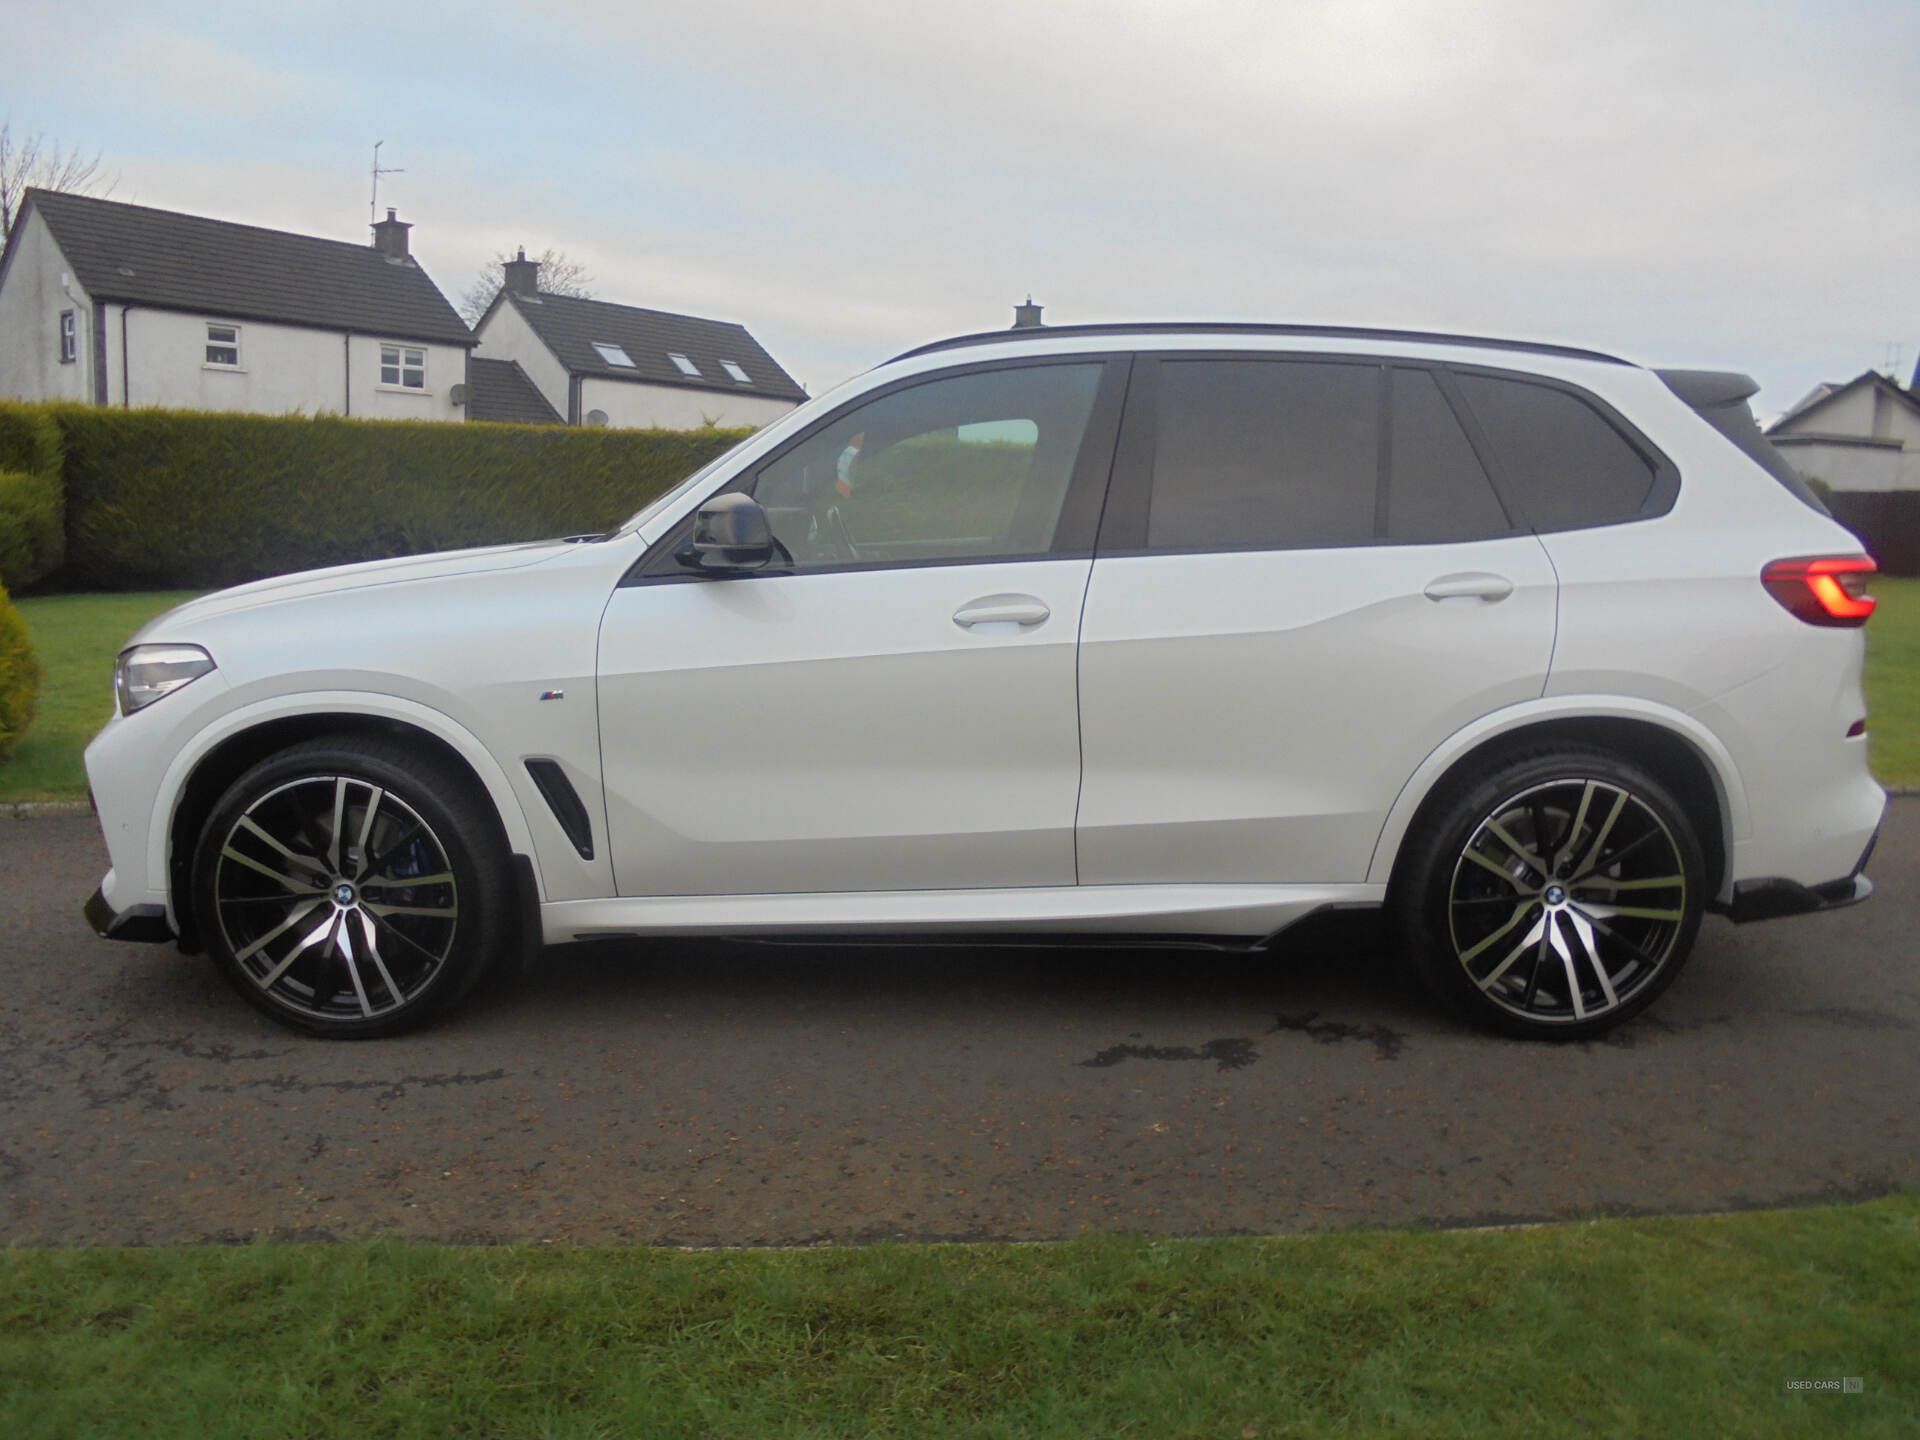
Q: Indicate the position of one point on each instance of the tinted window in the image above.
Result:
(1569, 467)
(971, 467)
(1254, 454)
(1438, 491)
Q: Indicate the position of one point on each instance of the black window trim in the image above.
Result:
(1123, 529)
(1080, 511)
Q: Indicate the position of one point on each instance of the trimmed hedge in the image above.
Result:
(171, 499)
(32, 527)
(33, 540)
(19, 677)
(29, 438)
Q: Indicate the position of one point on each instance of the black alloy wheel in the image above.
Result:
(1558, 896)
(349, 888)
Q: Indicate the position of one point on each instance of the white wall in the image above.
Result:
(635, 404)
(505, 335)
(283, 369)
(30, 304)
(1853, 467)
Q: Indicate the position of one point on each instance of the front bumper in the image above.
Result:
(143, 923)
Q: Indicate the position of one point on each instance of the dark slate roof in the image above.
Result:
(500, 390)
(140, 256)
(569, 327)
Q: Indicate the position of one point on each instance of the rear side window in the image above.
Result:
(1565, 462)
(1257, 454)
(1438, 491)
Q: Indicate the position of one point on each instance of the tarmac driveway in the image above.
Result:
(708, 1093)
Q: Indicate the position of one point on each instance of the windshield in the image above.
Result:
(660, 502)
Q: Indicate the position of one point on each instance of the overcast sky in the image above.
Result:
(1680, 181)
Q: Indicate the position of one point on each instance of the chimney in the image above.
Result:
(390, 237)
(1027, 316)
(522, 275)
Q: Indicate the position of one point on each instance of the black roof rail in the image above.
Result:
(1234, 327)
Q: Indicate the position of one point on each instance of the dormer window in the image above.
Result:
(613, 354)
(223, 346)
(403, 366)
(740, 376)
(683, 365)
(69, 337)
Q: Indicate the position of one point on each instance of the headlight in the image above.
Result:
(146, 672)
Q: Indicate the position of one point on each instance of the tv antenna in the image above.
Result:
(373, 203)
(1892, 366)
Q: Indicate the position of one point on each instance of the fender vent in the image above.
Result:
(564, 801)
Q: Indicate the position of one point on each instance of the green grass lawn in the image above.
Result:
(1646, 1327)
(1893, 682)
(77, 637)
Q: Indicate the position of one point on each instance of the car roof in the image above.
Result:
(1038, 334)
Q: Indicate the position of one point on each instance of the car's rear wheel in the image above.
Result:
(352, 888)
(1555, 895)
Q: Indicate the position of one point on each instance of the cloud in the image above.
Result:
(1711, 182)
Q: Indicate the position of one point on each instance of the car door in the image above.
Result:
(1305, 582)
(890, 704)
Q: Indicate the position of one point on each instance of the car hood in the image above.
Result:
(307, 584)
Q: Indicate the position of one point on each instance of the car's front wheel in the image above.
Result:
(1555, 895)
(352, 887)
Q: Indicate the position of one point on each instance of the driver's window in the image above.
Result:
(966, 468)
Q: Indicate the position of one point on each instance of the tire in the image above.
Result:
(323, 936)
(1552, 896)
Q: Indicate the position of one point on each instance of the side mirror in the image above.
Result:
(730, 532)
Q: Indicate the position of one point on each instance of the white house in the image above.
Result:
(1862, 440)
(600, 364)
(124, 305)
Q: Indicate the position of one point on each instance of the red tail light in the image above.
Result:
(1823, 589)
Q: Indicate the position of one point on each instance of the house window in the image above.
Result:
(613, 354)
(740, 376)
(223, 345)
(681, 363)
(404, 366)
(69, 338)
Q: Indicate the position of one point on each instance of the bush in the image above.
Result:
(19, 677)
(32, 537)
(160, 499)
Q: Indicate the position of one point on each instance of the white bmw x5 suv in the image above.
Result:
(1174, 630)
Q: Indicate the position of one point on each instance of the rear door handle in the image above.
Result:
(1470, 585)
(1005, 614)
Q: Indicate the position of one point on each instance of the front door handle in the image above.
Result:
(1470, 585)
(1004, 613)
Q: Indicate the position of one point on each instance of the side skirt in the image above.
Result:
(1170, 913)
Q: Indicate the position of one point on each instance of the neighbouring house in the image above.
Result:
(1862, 441)
(596, 363)
(117, 304)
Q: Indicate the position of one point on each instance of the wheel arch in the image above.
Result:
(1681, 753)
(202, 771)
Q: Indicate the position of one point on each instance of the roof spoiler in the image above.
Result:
(1720, 398)
(1710, 389)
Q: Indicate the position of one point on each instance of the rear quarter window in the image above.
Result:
(1568, 465)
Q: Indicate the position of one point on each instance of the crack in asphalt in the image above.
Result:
(1233, 1054)
(389, 1089)
(1849, 1018)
